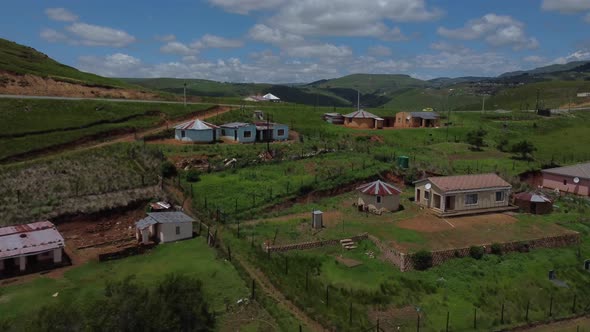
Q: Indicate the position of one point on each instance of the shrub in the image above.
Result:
(305, 189)
(476, 252)
(422, 260)
(193, 175)
(503, 145)
(168, 169)
(496, 249)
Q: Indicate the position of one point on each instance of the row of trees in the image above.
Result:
(524, 148)
(175, 304)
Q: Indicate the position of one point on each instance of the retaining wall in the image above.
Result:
(311, 245)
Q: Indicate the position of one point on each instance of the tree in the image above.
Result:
(502, 145)
(422, 260)
(476, 252)
(167, 169)
(476, 138)
(524, 148)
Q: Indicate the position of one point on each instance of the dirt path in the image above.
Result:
(273, 292)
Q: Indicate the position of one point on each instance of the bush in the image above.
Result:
(496, 249)
(168, 169)
(503, 145)
(305, 189)
(422, 260)
(193, 175)
(476, 252)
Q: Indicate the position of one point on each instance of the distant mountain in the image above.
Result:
(19, 59)
(546, 69)
(442, 81)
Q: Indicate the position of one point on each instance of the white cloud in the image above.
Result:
(321, 51)
(534, 59)
(496, 30)
(94, 35)
(61, 14)
(53, 36)
(566, 6)
(115, 65)
(580, 55)
(266, 34)
(246, 6)
(165, 38)
(211, 41)
(349, 18)
(379, 51)
(467, 62)
(177, 48)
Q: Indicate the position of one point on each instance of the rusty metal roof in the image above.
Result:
(379, 188)
(29, 239)
(467, 182)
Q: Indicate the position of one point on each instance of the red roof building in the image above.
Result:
(378, 195)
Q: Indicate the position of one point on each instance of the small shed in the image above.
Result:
(164, 227)
(333, 118)
(197, 131)
(380, 195)
(534, 203)
(239, 132)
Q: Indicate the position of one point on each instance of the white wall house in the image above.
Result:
(239, 132)
(164, 227)
(30, 247)
(271, 131)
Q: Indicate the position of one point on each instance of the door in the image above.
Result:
(236, 135)
(418, 195)
(449, 203)
(533, 208)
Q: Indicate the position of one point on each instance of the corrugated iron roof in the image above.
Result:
(425, 115)
(28, 239)
(532, 197)
(196, 124)
(236, 125)
(379, 188)
(467, 182)
(361, 114)
(579, 170)
(162, 218)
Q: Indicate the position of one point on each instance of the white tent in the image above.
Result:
(271, 97)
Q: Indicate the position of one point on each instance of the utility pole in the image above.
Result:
(184, 94)
(267, 133)
(358, 100)
(483, 103)
(448, 115)
(537, 104)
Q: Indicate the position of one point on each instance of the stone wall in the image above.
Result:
(311, 245)
(441, 256)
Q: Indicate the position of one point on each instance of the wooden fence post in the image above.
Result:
(551, 306)
(447, 328)
(527, 310)
(475, 318)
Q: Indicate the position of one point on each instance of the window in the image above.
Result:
(281, 132)
(499, 196)
(564, 182)
(378, 199)
(247, 134)
(426, 195)
(182, 133)
(471, 199)
(223, 132)
(177, 230)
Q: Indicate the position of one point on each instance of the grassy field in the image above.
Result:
(29, 125)
(21, 59)
(378, 289)
(78, 182)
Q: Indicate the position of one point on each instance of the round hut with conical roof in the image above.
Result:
(197, 131)
(378, 195)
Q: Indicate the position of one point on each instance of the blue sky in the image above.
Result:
(301, 41)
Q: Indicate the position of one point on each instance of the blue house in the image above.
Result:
(197, 131)
(239, 132)
(271, 131)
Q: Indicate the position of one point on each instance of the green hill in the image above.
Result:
(371, 83)
(20, 59)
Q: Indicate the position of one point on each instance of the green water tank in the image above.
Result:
(403, 161)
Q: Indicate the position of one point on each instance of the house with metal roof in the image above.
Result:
(363, 119)
(535, 203)
(197, 131)
(417, 119)
(463, 194)
(30, 247)
(239, 132)
(271, 97)
(333, 118)
(573, 179)
(378, 195)
(271, 131)
(164, 227)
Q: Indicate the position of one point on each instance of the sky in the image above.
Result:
(282, 41)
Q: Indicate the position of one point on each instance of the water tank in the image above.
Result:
(316, 219)
(403, 161)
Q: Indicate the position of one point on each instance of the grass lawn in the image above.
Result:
(221, 282)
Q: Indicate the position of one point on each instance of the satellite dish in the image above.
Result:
(576, 180)
(428, 186)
